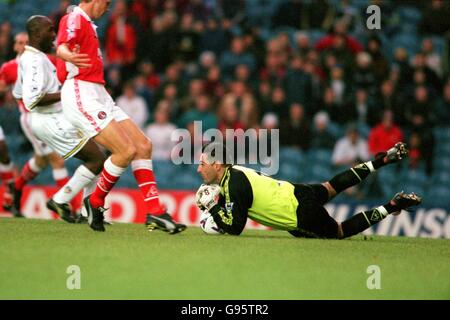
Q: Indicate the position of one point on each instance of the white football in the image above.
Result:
(208, 225)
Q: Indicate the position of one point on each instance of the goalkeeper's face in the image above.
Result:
(210, 172)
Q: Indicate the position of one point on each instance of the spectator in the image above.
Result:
(364, 76)
(351, 149)
(435, 18)
(292, 13)
(133, 105)
(120, 41)
(278, 104)
(420, 106)
(59, 13)
(364, 111)
(295, 130)
(160, 132)
(298, 84)
(443, 106)
(235, 56)
(422, 128)
(379, 61)
(432, 58)
(214, 38)
(415, 154)
(188, 39)
(385, 135)
(244, 102)
(153, 80)
(157, 45)
(321, 136)
(201, 112)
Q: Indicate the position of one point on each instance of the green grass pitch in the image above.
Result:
(127, 262)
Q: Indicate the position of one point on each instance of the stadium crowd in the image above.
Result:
(309, 68)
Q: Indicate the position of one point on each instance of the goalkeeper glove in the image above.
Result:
(207, 196)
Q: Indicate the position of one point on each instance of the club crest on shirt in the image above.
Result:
(101, 115)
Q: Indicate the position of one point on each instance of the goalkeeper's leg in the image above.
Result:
(366, 219)
(358, 173)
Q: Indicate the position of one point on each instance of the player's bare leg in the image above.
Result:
(358, 173)
(157, 217)
(114, 138)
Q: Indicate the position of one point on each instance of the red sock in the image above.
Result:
(29, 172)
(143, 173)
(6, 173)
(106, 181)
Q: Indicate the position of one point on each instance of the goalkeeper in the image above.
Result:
(297, 208)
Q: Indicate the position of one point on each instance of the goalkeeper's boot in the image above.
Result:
(62, 210)
(404, 200)
(164, 222)
(17, 197)
(394, 154)
(95, 215)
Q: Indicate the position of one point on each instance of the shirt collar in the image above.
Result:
(33, 49)
(81, 11)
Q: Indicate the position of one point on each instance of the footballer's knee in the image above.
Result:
(129, 153)
(331, 192)
(144, 149)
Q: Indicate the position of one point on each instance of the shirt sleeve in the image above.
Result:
(231, 214)
(33, 81)
(69, 29)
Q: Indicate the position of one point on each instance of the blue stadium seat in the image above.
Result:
(293, 155)
(409, 15)
(320, 156)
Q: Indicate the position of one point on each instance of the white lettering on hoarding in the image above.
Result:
(35, 206)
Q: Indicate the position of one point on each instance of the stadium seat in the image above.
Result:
(320, 156)
(292, 155)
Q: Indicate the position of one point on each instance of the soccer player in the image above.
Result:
(43, 155)
(90, 108)
(296, 208)
(6, 171)
(37, 87)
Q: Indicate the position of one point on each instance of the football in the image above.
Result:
(208, 225)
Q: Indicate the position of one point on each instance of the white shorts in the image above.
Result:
(39, 147)
(57, 133)
(2, 135)
(89, 107)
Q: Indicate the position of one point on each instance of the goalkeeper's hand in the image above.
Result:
(207, 196)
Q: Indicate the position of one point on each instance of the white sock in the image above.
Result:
(59, 174)
(90, 187)
(80, 179)
(87, 191)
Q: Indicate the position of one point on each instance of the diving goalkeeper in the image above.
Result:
(296, 208)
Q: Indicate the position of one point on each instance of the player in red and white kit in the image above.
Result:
(89, 107)
(38, 89)
(43, 155)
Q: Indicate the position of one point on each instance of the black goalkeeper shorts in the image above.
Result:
(313, 219)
